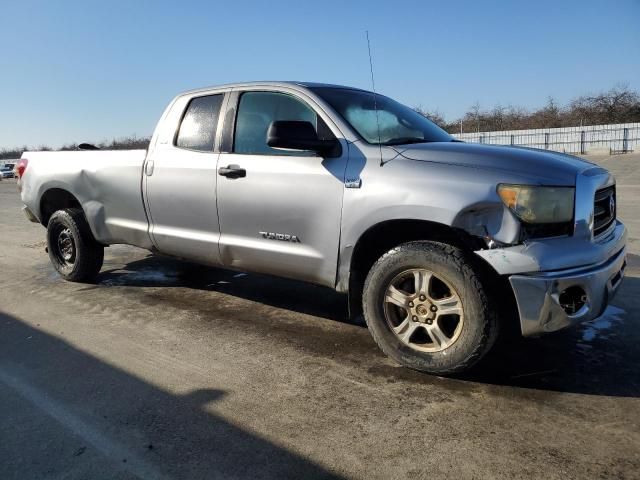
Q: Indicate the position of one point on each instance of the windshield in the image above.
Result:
(399, 124)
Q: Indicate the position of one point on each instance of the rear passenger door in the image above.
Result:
(180, 180)
(281, 214)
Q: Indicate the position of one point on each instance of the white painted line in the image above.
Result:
(108, 447)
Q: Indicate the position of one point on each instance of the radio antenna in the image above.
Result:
(375, 95)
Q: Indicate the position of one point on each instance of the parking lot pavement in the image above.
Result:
(168, 370)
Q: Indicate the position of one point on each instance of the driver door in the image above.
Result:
(281, 213)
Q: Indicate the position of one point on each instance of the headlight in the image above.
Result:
(533, 204)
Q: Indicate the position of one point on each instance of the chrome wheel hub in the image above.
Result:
(423, 310)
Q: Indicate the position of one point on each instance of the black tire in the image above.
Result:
(73, 251)
(477, 333)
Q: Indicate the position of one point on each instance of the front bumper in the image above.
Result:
(539, 295)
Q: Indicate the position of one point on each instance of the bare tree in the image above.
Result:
(435, 116)
(475, 114)
(123, 143)
(617, 105)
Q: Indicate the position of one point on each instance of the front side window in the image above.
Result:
(379, 119)
(257, 110)
(198, 127)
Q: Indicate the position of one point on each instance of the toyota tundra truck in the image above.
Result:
(438, 243)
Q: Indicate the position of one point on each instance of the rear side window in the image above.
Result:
(257, 110)
(198, 127)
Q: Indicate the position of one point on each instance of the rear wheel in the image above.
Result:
(73, 251)
(427, 308)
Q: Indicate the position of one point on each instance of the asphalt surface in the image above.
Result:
(168, 370)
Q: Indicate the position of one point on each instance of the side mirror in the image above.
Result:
(299, 135)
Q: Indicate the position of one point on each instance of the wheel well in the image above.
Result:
(384, 236)
(53, 200)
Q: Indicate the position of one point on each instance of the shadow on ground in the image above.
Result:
(159, 271)
(598, 358)
(68, 414)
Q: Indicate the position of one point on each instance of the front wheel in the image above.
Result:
(73, 251)
(426, 308)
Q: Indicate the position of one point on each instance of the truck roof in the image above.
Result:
(271, 83)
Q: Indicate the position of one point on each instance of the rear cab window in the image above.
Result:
(197, 130)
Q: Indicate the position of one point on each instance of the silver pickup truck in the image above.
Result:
(439, 243)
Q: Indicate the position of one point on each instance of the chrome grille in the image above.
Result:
(604, 210)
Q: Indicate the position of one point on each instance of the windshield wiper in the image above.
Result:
(404, 141)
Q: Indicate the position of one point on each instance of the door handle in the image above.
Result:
(148, 168)
(232, 171)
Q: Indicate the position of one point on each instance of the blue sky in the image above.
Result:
(94, 70)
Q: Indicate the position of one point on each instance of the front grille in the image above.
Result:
(604, 210)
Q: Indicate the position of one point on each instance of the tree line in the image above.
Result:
(123, 143)
(617, 105)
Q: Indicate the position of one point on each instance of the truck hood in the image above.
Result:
(545, 166)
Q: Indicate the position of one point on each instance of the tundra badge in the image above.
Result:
(280, 236)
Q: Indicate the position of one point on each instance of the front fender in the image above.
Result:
(353, 232)
(453, 196)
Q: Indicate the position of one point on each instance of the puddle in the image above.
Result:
(143, 277)
(604, 327)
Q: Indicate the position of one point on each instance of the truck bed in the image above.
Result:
(107, 183)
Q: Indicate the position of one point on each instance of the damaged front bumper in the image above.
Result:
(551, 301)
(585, 279)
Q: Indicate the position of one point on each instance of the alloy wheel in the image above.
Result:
(423, 310)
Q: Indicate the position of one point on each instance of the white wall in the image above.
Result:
(568, 139)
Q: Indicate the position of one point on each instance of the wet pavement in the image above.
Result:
(596, 357)
(164, 369)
